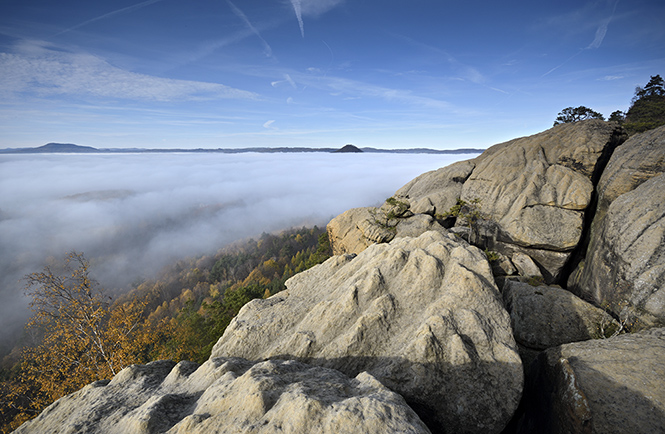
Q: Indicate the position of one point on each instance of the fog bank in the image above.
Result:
(131, 214)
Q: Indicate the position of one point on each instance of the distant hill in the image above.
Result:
(51, 148)
(72, 148)
(349, 149)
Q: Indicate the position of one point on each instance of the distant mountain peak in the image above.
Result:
(64, 147)
(349, 148)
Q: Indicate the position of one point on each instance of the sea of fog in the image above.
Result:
(131, 214)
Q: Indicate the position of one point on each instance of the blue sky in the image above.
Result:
(319, 73)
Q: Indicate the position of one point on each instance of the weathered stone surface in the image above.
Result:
(422, 315)
(545, 316)
(356, 229)
(227, 395)
(604, 386)
(359, 228)
(502, 266)
(624, 267)
(442, 187)
(639, 159)
(533, 190)
(417, 225)
(525, 265)
(537, 188)
(423, 206)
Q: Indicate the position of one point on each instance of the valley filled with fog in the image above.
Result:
(132, 214)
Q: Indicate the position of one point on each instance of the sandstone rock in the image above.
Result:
(423, 206)
(547, 259)
(639, 159)
(502, 265)
(537, 188)
(422, 315)
(356, 229)
(525, 265)
(544, 316)
(417, 225)
(440, 187)
(228, 395)
(625, 269)
(624, 266)
(604, 386)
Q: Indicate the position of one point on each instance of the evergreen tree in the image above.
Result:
(570, 114)
(648, 107)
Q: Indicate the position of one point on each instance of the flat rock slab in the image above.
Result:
(544, 316)
(603, 386)
(422, 315)
(230, 396)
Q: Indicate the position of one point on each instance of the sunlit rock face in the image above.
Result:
(422, 315)
(532, 192)
(227, 395)
(624, 268)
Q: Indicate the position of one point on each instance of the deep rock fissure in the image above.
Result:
(619, 136)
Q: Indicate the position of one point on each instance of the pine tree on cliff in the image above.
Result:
(648, 107)
(570, 114)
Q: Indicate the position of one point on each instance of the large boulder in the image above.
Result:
(228, 395)
(545, 316)
(422, 315)
(624, 268)
(603, 386)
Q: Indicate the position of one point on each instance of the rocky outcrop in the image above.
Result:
(410, 213)
(624, 268)
(604, 386)
(227, 395)
(440, 187)
(532, 193)
(422, 315)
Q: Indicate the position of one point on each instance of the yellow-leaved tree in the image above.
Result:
(84, 336)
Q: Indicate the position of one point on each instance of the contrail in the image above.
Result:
(297, 7)
(240, 14)
(110, 14)
(602, 30)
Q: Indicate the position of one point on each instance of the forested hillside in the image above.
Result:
(79, 333)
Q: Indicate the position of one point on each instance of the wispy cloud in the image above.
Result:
(44, 71)
(287, 79)
(354, 89)
(269, 123)
(109, 15)
(611, 77)
(601, 31)
(311, 7)
(240, 14)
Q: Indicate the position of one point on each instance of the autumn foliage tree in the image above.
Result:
(84, 336)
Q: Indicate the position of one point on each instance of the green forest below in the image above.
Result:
(78, 334)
